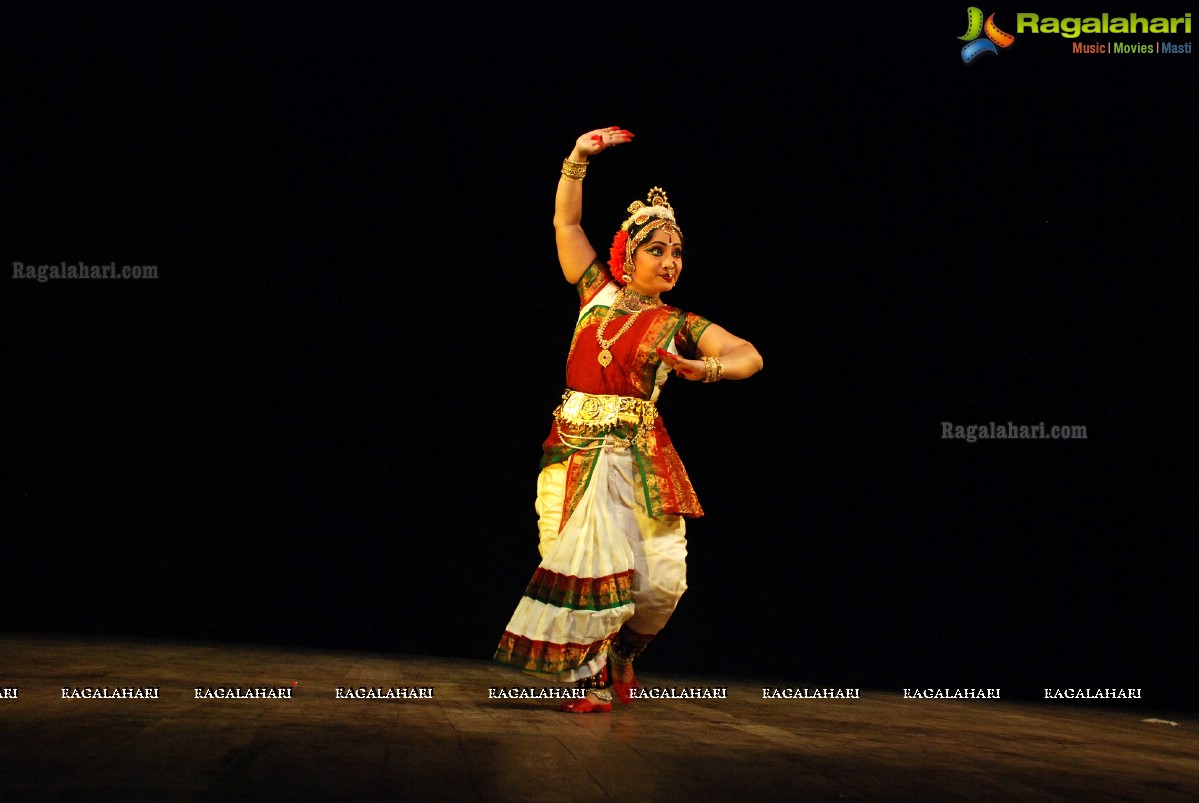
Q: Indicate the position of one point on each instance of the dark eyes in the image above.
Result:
(655, 251)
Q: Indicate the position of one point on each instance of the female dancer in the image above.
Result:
(613, 494)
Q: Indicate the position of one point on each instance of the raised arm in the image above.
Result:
(575, 253)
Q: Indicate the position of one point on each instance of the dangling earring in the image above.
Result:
(628, 271)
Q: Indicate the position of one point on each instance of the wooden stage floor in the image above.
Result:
(462, 744)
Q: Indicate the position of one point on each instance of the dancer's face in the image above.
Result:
(657, 263)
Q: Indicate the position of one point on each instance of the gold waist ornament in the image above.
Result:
(594, 415)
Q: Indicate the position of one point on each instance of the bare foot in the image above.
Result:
(623, 673)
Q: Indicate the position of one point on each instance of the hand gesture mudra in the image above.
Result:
(694, 370)
(601, 139)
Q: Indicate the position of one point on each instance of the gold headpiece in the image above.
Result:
(656, 205)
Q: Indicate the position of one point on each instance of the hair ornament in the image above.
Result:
(616, 256)
(656, 205)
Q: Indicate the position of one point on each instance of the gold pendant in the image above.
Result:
(605, 358)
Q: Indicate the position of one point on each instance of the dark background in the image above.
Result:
(321, 424)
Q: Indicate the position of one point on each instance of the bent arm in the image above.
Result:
(738, 356)
(575, 253)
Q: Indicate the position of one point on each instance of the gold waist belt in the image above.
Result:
(591, 413)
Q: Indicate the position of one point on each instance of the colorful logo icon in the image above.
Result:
(975, 26)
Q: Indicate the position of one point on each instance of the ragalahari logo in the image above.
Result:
(975, 46)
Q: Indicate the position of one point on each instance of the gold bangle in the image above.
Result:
(714, 369)
(573, 171)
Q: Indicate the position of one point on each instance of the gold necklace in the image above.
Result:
(605, 356)
(632, 301)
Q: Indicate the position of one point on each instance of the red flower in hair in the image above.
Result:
(616, 255)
